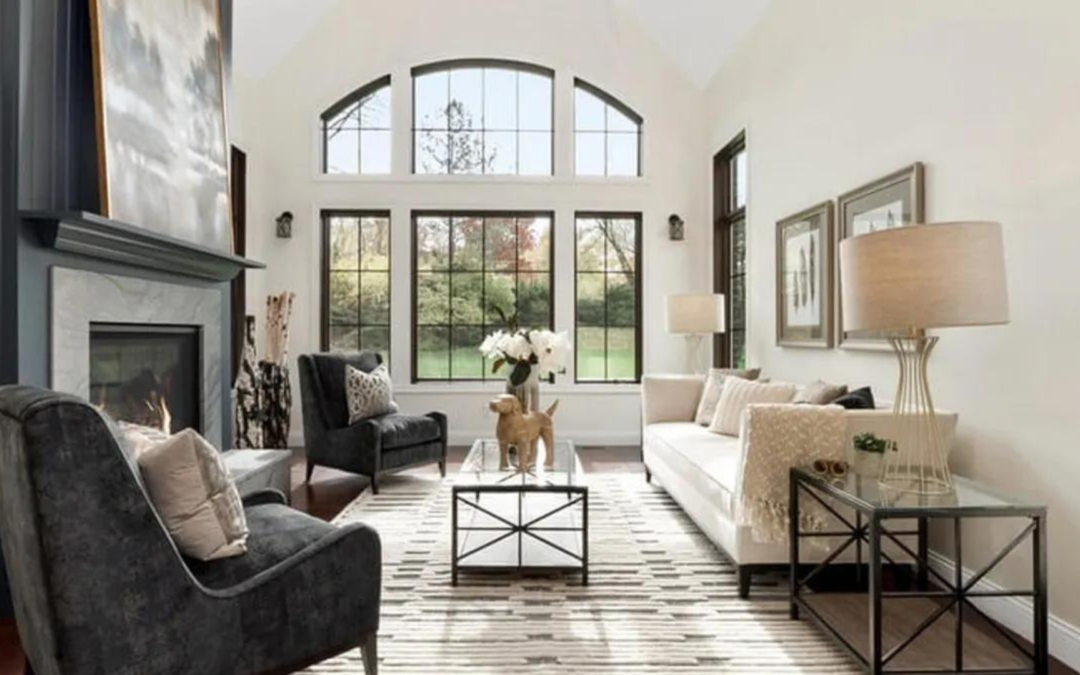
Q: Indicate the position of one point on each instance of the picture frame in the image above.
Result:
(804, 278)
(894, 200)
(162, 132)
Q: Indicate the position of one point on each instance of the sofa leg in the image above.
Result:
(648, 475)
(28, 669)
(310, 470)
(370, 654)
(744, 582)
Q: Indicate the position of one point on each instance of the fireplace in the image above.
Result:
(147, 374)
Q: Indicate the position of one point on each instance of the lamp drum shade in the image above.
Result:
(935, 275)
(695, 314)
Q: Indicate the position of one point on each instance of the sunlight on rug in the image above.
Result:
(661, 598)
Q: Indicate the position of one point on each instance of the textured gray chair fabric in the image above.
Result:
(370, 447)
(100, 589)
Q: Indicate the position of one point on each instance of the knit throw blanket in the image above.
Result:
(774, 438)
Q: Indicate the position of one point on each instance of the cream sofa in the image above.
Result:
(700, 469)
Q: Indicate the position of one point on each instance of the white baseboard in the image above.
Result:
(1017, 614)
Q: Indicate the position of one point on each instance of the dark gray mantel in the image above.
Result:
(95, 236)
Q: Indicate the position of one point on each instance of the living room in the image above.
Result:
(501, 336)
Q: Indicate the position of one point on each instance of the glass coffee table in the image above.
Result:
(505, 519)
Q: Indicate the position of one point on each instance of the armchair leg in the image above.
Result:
(28, 669)
(442, 468)
(310, 470)
(369, 653)
(374, 483)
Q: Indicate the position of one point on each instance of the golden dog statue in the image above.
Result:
(521, 430)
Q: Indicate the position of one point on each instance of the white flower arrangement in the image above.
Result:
(544, 351)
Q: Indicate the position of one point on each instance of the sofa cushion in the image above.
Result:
(276, 532)
(696, 449)
(860, 399)
(400, 431)
(192, 491)
(819, 392)
(738, 395)
(714, 386)
(330, 370)
(369, 394)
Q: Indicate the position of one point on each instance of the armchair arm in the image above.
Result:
(444, 433)
(264, 496)
(670, 398)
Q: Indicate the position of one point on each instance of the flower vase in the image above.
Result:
(527, 393)
(867, 463)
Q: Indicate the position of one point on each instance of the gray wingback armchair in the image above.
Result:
(373, 446)
(100, 588)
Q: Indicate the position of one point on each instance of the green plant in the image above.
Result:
(870, 443)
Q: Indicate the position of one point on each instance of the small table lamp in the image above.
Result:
(908, 279)
(695, 315)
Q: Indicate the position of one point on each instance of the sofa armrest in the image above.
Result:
(670, 398)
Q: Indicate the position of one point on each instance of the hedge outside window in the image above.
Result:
(466, 268)
(607, 134)
(356, 131)
(356, 281)
(608, 297)
(483, 117)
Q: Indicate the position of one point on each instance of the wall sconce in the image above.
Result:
(284, 225)
(676, 227)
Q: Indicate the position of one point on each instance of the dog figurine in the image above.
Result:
(521, 430)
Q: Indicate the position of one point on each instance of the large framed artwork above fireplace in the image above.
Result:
(147, 351)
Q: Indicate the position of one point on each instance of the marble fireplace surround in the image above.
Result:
(79, 298)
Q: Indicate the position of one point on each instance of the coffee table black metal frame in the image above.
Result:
(514, 483)
(868, 526)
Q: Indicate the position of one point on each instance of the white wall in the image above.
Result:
(835, 93)
(278, 127)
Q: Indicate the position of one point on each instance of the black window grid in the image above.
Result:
(607, 325)
(334, 121)
(327, 324)
(611, 103)
(485, 327)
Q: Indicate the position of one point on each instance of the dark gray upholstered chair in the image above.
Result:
(100, 588)
(370, 447)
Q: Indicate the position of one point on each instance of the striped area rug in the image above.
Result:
(661, 598)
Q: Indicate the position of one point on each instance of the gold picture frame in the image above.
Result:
(894, 200)
(804, 278)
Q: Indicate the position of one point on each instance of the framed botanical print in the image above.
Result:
(892, 201)
(804, 274)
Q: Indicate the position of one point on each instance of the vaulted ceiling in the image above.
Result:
(697, 35)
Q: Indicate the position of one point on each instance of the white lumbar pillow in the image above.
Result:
(196, 498)
(738, 394)
(368, 394)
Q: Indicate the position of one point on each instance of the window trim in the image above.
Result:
(636, 216)
(337, 108)
(414, 217)
(724, 217)
(458, 64)
(622, 108)
(325, 216)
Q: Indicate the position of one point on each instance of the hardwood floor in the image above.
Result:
(331, 490)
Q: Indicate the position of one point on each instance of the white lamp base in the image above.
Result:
(918, 463)
(694, 354)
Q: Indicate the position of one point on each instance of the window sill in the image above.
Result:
(496, 388)
(435, 179)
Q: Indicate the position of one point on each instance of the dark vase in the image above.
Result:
(276, 404)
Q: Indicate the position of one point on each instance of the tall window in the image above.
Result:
(356, 131)
(608, 290)
(729, 255)
(469, 270)
(607, 134)
(483, 117)
(356, 281)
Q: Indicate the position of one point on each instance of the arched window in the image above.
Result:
(481, 116)
(607, 134)
(356, 131)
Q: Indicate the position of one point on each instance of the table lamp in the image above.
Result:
(695, 315)
(904, 281)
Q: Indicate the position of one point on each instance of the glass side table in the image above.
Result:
(862, 508)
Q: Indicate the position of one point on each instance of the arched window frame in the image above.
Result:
(355, 98)
(486, 63)
(623, 109)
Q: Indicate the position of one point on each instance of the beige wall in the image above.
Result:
(278, 126)
(834, 93)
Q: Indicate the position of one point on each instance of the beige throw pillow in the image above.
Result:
(196, 498)
(738, 394)
(714, 385)
(368, 394)
(820, 392)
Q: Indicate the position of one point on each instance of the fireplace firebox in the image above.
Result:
(148, 374)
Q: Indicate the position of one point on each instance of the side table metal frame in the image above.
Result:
(956, 592)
